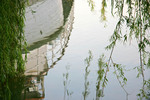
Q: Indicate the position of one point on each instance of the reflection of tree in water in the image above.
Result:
(118, 71)
(137, 21)
(91, 4)
(66, 83)
(148, 89)
(87, 71)
(100, 78)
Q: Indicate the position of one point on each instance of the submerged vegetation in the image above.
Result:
(12, 14)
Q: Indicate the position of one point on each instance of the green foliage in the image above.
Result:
(87, 71)
(102, 75)
(119, 71)
(148, 63)
(137, 20)
(12, 42)
(101, 65)
(67, 5)
(91, 4)
(13, 88)
(104, 5)
(66, 83)
(101, 71)
(144, 93)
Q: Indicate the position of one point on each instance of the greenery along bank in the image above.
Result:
(12, 16)
(12, 41)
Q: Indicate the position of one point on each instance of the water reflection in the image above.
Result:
(42, 19)
(102, 80)
(119, 71)
(66, 82)
(86, 91)
(45, 52)
(47, 32)
(34, 88)
(101, 70)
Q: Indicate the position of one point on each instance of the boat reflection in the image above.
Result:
(43, 55)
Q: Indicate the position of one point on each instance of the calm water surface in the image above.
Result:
(68, 46)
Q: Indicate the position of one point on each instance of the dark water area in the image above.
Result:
(66, 39)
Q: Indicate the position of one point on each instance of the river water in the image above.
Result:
(59, 43)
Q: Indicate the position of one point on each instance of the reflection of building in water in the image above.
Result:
(32, 2)
(57, 47)
(43, 18)
(34, 88)
(44, 55)
(36, 59)
(50, 52)
(36, 69)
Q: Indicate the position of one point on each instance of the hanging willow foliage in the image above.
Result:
(12, 42)
(137, 20)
